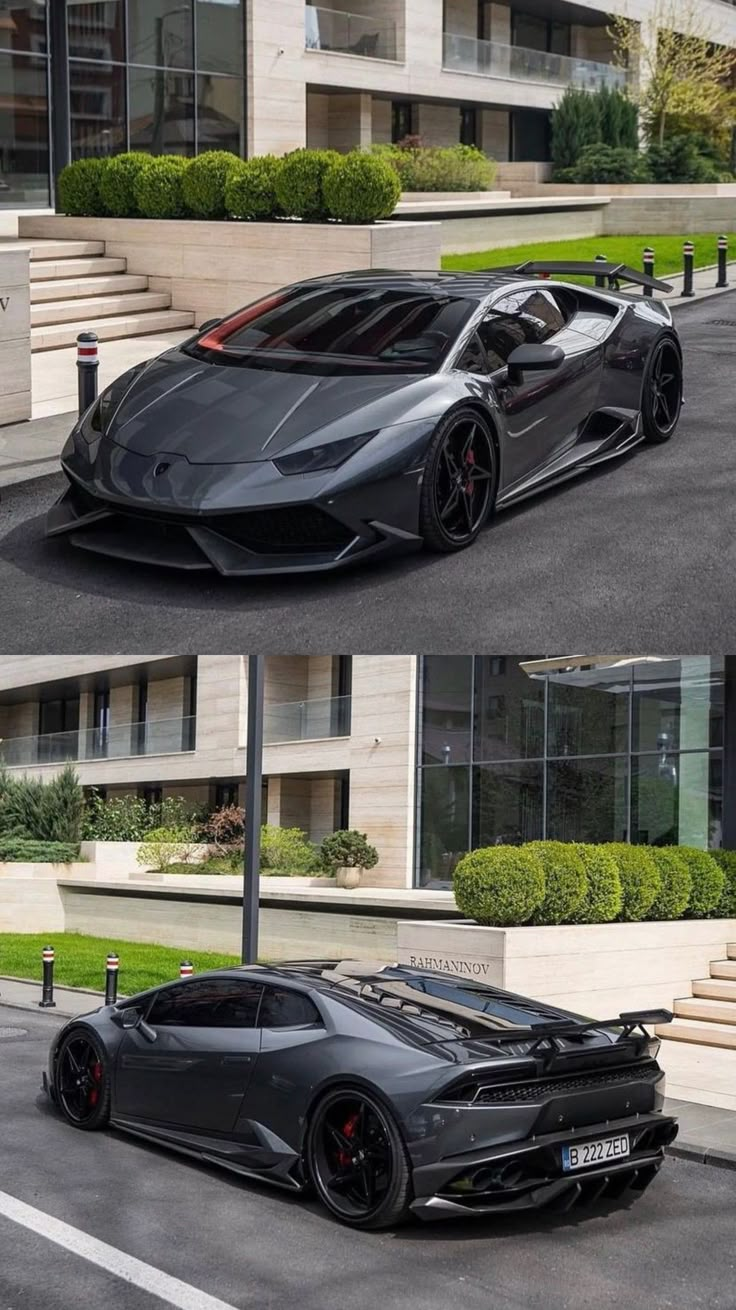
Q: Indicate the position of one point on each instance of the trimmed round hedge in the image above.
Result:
(603, 897)
(499, 885)
(565, 880)
(80, 188)
(361, 188)
(250, 189)
(726, 907)
(673, 897)
(708, 881)
(159, 191)
(300, 183)
(205, 179)
(641, 880)
(118, 181)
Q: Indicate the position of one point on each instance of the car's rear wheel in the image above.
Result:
(83, 1080)
(459, 483)
(357, 1161)
(662, 391)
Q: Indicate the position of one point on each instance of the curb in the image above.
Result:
(716, 1156)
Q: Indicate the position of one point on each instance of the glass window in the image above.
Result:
(97, 106)
(281, 1008)
(24, 131)
(23, 26)
(207, 1003)
(677, 800)
(587, 800)
(161, 111)
(589, 712)
(529, 31)
(220, 113)
(96, 30)
(445, 820)
(509, 710)
(220, 36)
(508, 804)
(678, 704)
(447, 682)
(559, 38)
(473, 358)
(161, 33)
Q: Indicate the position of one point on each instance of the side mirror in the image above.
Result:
(211, 323)
(130, 1017)
(526, 359)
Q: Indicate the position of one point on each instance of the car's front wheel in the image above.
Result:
(82, 1081)
(661, 400)
(459, 483)
(357, 1161)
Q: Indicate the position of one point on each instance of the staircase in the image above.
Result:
(708, 1018)
(75, 286)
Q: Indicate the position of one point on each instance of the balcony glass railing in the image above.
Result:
(157, 737)
(465, 54)
(306, 720)
(349, 34)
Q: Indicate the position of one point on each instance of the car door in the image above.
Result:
(195, 1070)
(544, 410)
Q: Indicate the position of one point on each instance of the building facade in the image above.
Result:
(90, 77)
(430, 756)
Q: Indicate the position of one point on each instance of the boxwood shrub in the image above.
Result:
(708, 881)
(159, 191)
(603, 896)
(726, 907)
(79, 187)
(674, 894)
(500, 885)
(300, 183)
(360, 188)
(250, 189)
(117, 183)
(604, 163)
(204, 182)
(565, 880)
(641, 880)
(439, 168)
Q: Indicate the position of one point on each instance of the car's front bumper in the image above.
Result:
(528, 1175)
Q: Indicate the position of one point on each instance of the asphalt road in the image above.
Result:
(640, 554)
(256, 1248)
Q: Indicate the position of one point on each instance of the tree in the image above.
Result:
(576, 123)
(682, 70)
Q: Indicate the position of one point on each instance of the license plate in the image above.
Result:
(603, 1149)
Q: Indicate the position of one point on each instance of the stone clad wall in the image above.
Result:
(15, 336)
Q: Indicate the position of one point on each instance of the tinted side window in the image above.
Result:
(473, 358)
(525, 318)
(207, 1003)
(286, 1009)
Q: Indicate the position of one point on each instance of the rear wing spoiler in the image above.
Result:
(616, 273)
(548, 1032)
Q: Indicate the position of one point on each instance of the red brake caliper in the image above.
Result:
(348, 1128)
(97, 1078)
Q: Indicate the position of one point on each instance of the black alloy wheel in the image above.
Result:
(357, 1161)
(459, 482)
(82, 1082)
(662, 394)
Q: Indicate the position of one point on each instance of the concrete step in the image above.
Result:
(709, 1011)
(715, 989)
(94, 307)
(723, 969)
(42, 248)
(64, 288)
(731, 950)
(87, 266)
(698, 1033)
(54, 336)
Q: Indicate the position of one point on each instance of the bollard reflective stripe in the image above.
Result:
(47, 954)
(88, 364)
(186, 969)
(113, 961)
(111, 978)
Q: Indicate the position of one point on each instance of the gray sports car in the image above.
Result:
(389, 1090)
(364, 413)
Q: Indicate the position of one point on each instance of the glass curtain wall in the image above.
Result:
(511, 750)
(24, 104)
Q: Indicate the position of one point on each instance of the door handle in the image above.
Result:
(236, 1059)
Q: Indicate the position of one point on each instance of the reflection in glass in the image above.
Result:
(678, 704)
(23, 26)
(161, 33)
(24, 144)
(96, 30)
(447, 682)
(507, 804)
(97, 109)
(445, 814)
(219, 113)
(509, 710)
(589, 712)
(220, 36)
(587, 800)
(677, 800)
(161, 111)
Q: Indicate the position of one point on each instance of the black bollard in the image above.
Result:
(111, 978)
(600, 279)
(647, 260)
(186, 969)
(87, 368)
(722, 261)
(47, 1001)
(688, 254)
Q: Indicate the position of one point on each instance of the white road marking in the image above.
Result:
(126, 1267)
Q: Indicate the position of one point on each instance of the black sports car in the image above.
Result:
(362, 413)
(388, 1089)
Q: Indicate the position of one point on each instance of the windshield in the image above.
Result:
(343, 329)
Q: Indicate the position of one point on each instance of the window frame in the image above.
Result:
(318, 1022)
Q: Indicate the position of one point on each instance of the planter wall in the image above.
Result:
(213, 268)
(596, 969)
(15, 337)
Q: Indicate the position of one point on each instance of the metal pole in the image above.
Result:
(253, 783)
(47, 1001)
(111, 978)
(722, 261)
(88, 364)
(648, 266)
(600, 280)
(688, 254)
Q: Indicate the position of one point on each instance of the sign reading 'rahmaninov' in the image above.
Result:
(470, 968)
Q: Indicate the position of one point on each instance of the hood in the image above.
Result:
(219, 414)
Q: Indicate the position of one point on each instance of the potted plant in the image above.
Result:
(347, 853)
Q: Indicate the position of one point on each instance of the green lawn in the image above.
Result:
(80, 960)
(626, 250)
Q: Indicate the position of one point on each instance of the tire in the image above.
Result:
(373, 1192)
(661, 403)
(458, 493)
(83, 1094)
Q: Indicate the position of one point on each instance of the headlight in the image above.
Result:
(322, 457)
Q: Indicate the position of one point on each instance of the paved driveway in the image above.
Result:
(641, 554)
(181, 1231)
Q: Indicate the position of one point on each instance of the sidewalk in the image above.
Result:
(31, 450)
(707, 1133)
